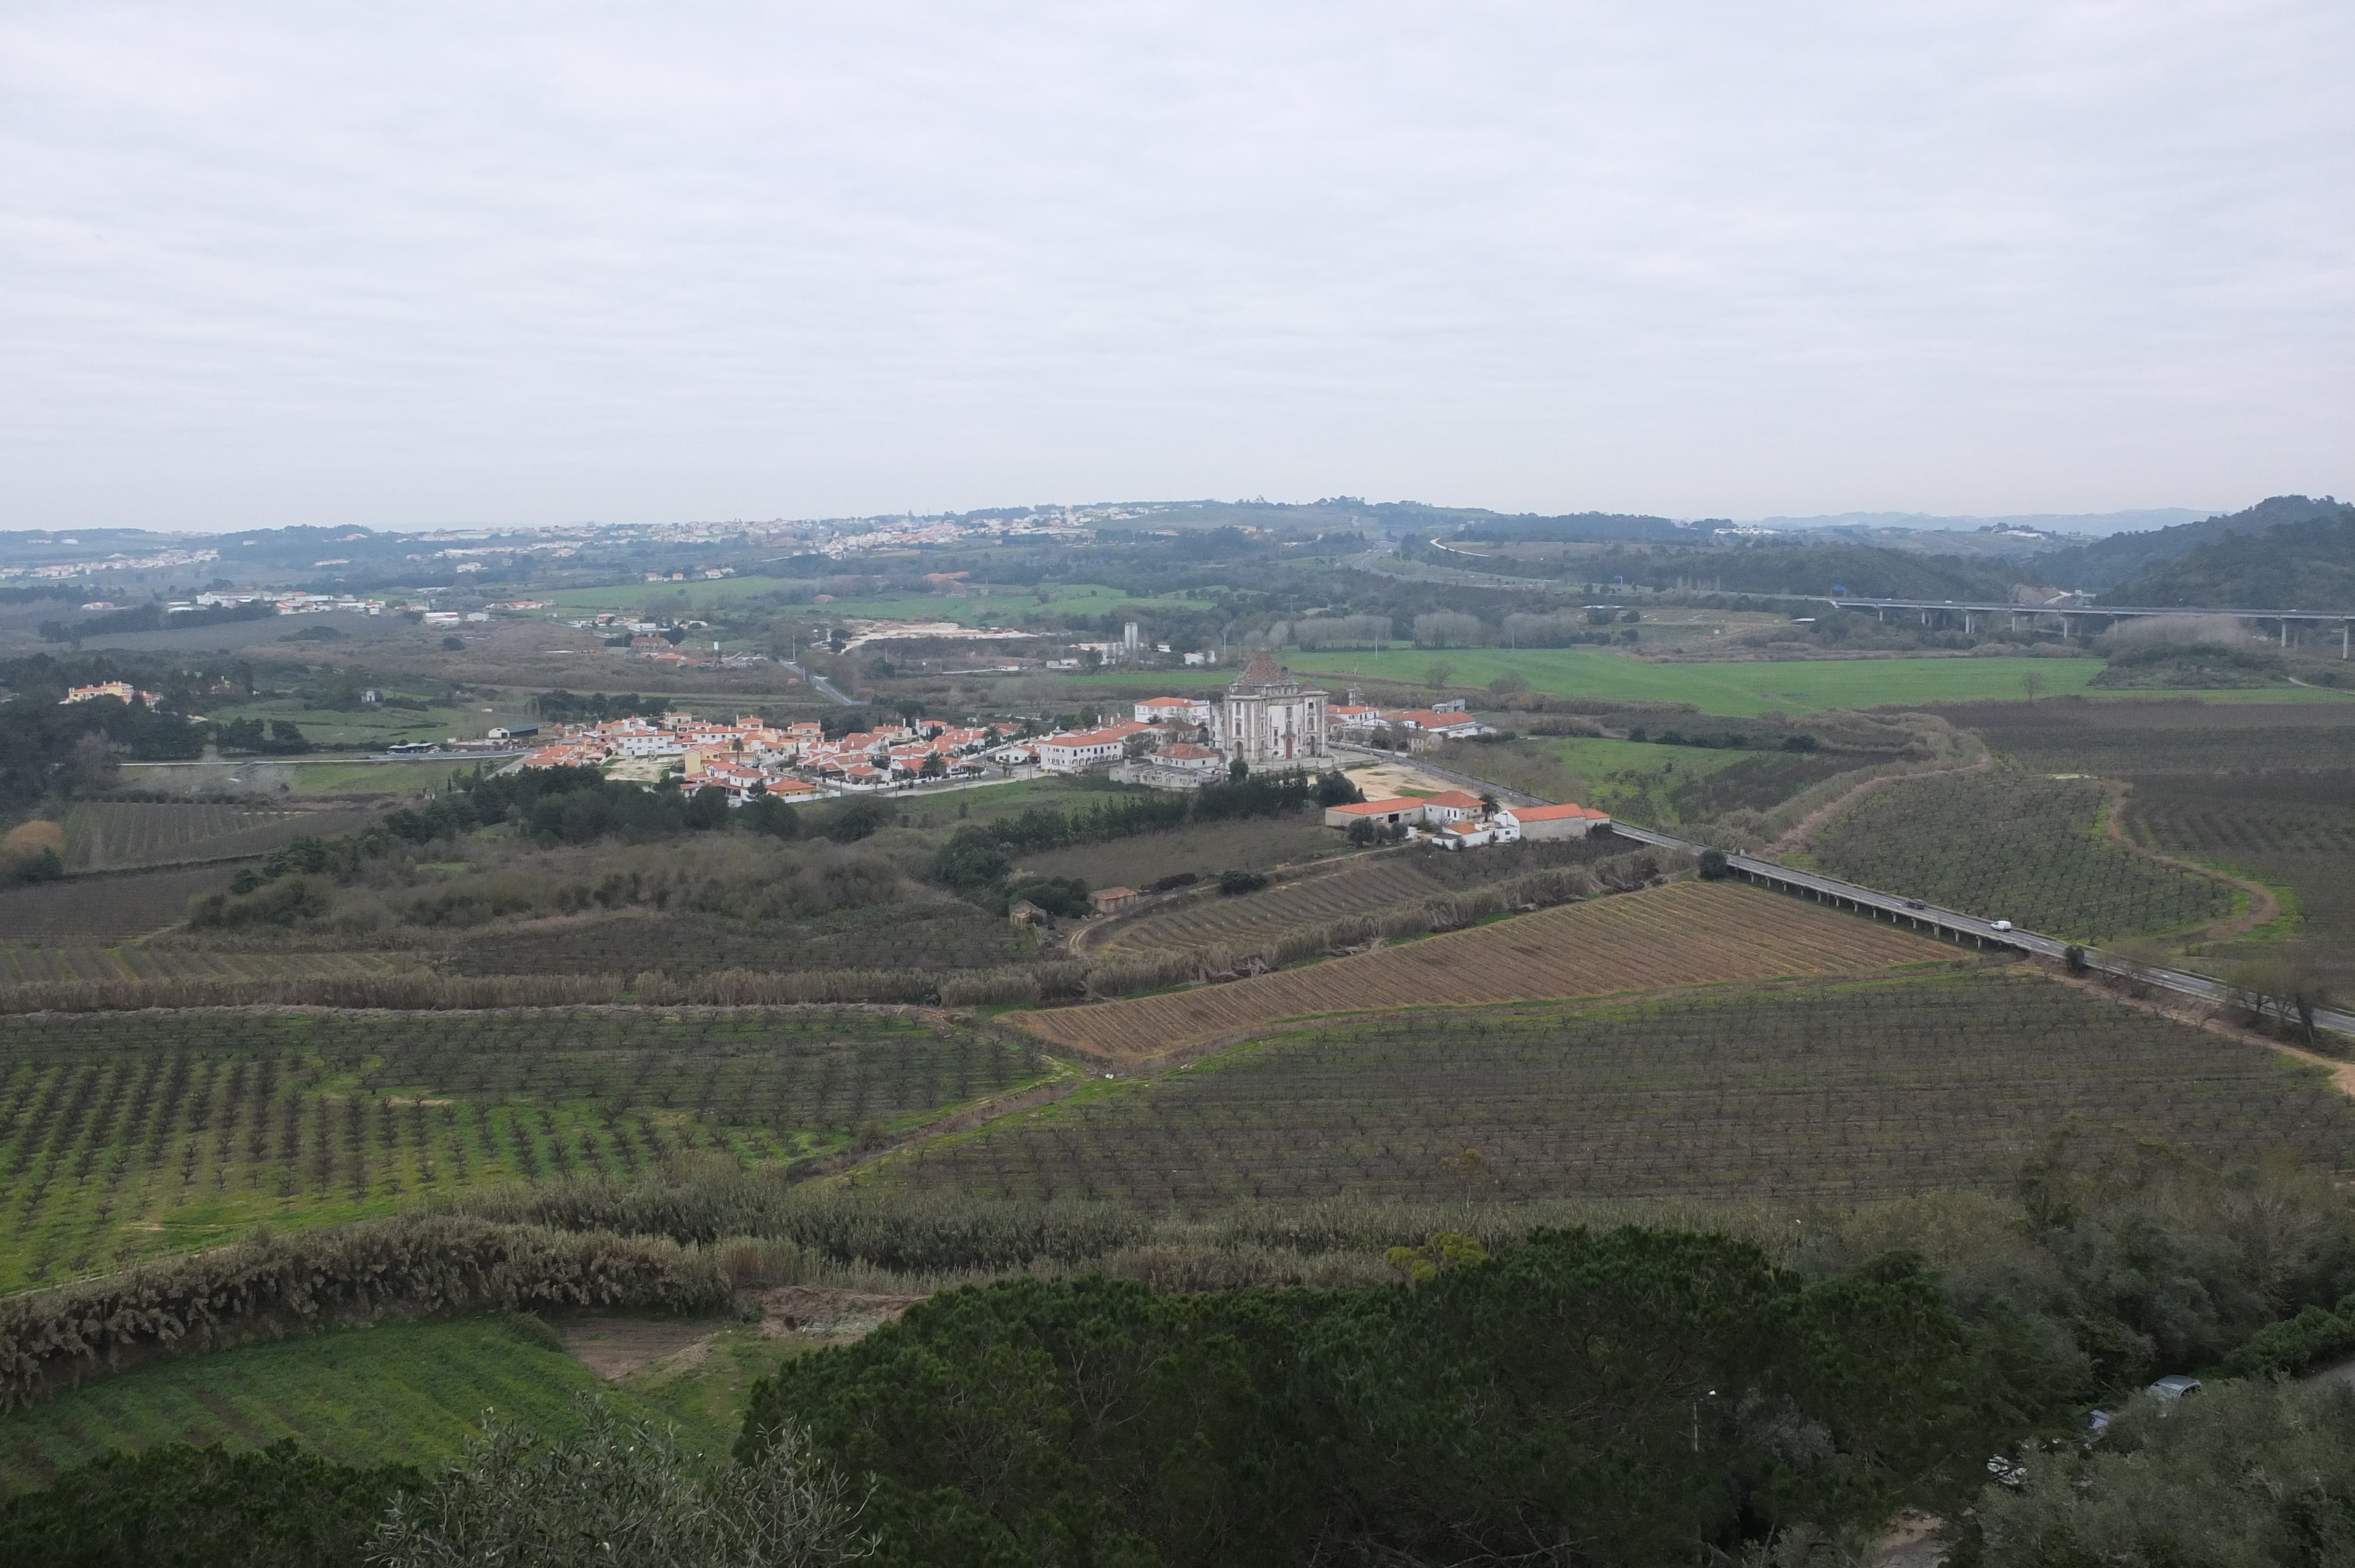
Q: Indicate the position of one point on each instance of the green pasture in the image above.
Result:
(375, 724)
(1746, 689)
(370, 777)
(394, 1394)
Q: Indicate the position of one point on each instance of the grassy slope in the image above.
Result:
(1795, 686)
(399, 1393)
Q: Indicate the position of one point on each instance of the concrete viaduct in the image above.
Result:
(1939, 612)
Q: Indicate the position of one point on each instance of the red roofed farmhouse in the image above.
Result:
(1566, 822)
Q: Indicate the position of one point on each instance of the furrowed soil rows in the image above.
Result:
(129, 1134)
(105, 906)
(19, 964)
(1835, 1091)
(2016, 847)
(105, 835)
(1687, 933)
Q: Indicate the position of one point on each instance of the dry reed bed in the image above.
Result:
(1689, 933)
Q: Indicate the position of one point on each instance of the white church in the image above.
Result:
(1268, 720)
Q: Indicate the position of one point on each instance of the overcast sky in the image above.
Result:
(421, 264)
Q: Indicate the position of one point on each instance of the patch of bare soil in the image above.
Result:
(835, 1316)
(614, 1347)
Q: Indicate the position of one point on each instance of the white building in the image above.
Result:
(1078, 752)
(1177, 710)
(1270, 721)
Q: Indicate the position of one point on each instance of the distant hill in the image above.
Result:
(1813, 569)
(2289, 552)
(2106, 564)
(2092, 524)
(1475, 522)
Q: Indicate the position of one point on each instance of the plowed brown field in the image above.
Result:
(1689, 933)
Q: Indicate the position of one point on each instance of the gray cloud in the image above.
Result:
(532, 262)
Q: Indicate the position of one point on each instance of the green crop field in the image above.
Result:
(1596, 757)
(370, 777)
(2017, 847)
(1744, 689)
(394, 1394)
(127, 1134)
(1829, 1091)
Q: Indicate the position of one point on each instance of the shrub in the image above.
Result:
(415, 1264)
(1231, 882)
(183, 1506)
(620, 1493)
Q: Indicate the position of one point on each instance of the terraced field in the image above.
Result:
(107, 835)
(1837, 1091)
(127, 1134)
(1688, 933)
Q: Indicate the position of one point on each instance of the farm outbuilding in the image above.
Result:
(1387, 813)
(1565, 822)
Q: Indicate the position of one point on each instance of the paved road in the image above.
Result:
(1948, 923)
(823, 687)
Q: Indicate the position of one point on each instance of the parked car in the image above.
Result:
(2174, 1386)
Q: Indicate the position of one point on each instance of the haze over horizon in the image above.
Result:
(520, 265)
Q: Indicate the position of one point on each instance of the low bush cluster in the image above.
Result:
(413, 1266)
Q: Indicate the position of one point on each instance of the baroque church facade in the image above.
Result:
(1271, 721)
